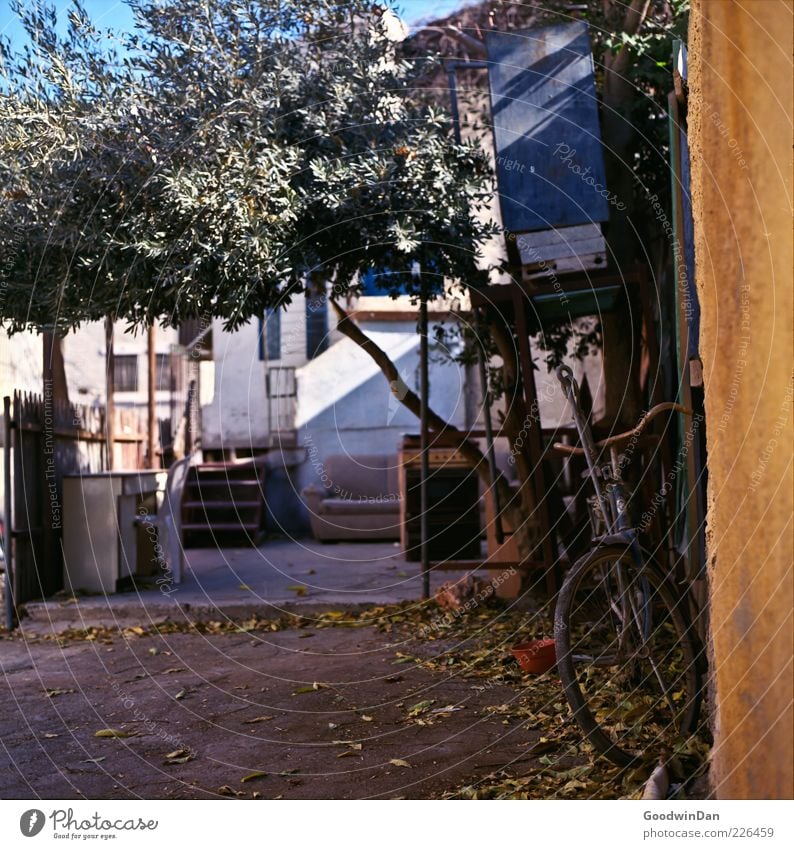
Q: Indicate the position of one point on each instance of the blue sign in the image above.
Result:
(549, 160)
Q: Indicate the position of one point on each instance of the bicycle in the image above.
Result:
(627, 656)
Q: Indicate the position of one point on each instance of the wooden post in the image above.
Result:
(151, 409)
(110, 388)
(8, 551)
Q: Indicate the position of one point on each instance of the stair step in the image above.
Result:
(229, 482)
(226, 471)
(227, 505)
(219, 526)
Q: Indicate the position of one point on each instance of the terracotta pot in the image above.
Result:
(536, 656)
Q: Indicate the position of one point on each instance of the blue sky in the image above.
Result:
(114, 14)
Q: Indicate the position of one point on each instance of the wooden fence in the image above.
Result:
(44, 440)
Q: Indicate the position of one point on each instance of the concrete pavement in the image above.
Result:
(229, 583)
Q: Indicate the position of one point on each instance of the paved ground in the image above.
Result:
(325, 712)
(242, 703)
(235, 582)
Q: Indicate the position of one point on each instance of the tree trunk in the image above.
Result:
(55, 385)
(621, 329)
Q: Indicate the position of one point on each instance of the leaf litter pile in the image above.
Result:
(474, 646)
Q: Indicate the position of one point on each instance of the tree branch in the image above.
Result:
(616, 87)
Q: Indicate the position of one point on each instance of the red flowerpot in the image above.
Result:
(536, 656)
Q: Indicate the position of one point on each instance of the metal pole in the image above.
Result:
(424, 465)
(7, 550)
(110, 388)
(152, 383)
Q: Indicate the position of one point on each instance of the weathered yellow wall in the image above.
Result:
(740, 121)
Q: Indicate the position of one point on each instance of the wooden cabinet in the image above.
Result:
(453, 520)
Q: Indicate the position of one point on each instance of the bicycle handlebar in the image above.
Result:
(622, 437)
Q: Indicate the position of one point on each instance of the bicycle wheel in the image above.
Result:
(628, 659)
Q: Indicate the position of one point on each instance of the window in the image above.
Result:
(270, 335)
(162, 380)
(281, 383)
(125, 373)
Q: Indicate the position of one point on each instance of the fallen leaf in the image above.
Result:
(180, 695)
(244, 587)
(366, 718)
(420, 707)
(173, 669)
(355, 746)
(400, 762)
(178, 756)
(304, 636)
(225, 790)
(448, 709)
(317, 685)
(50, 736)
(113, 732)
(298, 589)
(257, 719)
(93, 760)
(252, 776)
(349, 753)
(57, 691)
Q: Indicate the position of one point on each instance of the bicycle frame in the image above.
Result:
(611, 495)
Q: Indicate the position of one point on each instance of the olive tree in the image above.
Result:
(224, 159)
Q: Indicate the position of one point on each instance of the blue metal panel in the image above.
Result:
(549, 160)
(316, 325)
(387, 283)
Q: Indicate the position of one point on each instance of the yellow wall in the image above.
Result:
(740, 116)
